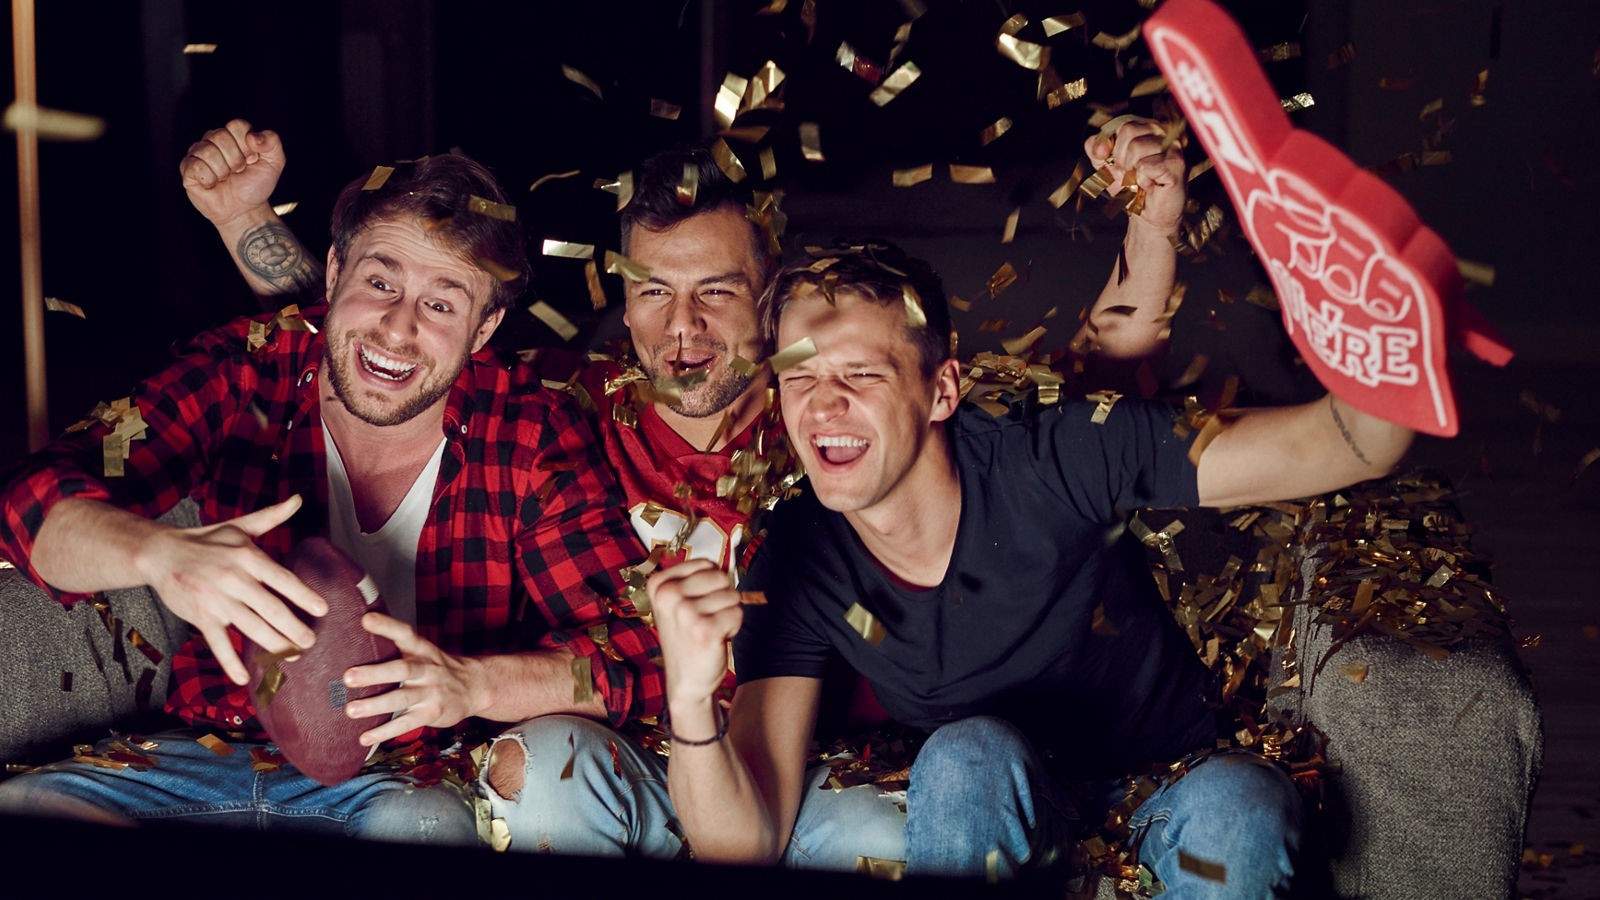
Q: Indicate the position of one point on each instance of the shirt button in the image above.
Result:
(238, 720)
(463, 429)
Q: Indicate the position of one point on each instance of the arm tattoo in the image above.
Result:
(272, 253)
(1345, 432)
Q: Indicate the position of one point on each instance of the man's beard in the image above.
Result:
(340, 355)
(723, 386)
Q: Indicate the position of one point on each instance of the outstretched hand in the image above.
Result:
(432, 688)
(232, 170)
(214, 577)
(1136, 147)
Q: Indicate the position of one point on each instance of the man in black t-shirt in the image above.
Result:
(974, 569)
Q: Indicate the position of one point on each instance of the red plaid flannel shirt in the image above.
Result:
(521, 550)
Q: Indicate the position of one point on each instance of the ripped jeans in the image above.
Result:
(582, 788)
(192, 785)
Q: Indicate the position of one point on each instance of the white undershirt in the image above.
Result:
(389, 554)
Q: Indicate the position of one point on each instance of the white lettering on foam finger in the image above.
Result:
(1360, 310)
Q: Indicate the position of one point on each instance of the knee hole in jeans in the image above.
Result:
(507, 761)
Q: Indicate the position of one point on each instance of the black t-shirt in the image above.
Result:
(1012, 629)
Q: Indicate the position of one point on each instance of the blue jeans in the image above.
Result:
(569, 785)
(190, 784)
(980, 804)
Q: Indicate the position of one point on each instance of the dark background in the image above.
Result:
(352, 84)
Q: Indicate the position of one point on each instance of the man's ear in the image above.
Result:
(485, 330)
(333, 273)
(946, 391)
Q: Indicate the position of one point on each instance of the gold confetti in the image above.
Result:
(1068, 92)
(1024, 53)
(500, 273)
(1115, 41)
(617, 264)
(993, 132)
(897, 81)
(915, 317)
(1341, 56)
(1155, 84)
(582, 80)
(865, 624)
(55, 305)
(502, 211)
(1104, 401)
(264, 760)
(915, 175)
(885, 869)
(622, 187)
(959, 303)
(271, 681)
(1476, 272)
(1279, 52)
(380, 175)
(1297, 102)
(591, 277)
(53, 124)
(971, 174)
(769, 164)
(1014, 24)
(1062, 194)
(661, 109)
(283, 209)
(1356, 672)
(689, 185)
(773, 8)
(1009, 234)
(1055, 25)
(113, 450)
(1002, 278)
(793, 355)
(582, 681)
(727, 161)
(857, 64)
(567, 249)
(810, 142)
(215, 744)
(1017, 345)
(1096, 184)
(199, 49)
(1262, 296)
(1205, 868)
(551, 177)
(558, 323)
(752, 598)
(743, 366)
(1479, 85)
(1584, 463)
(1429, 109)
(726, 106)
(994, 324)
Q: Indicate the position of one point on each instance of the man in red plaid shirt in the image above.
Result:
(478, 499)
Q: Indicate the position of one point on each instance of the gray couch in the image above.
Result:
(1436, 758)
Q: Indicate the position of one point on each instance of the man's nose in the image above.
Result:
(399, 321)
(828, 400)
(685, 317)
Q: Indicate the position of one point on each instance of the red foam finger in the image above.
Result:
(1369, 294)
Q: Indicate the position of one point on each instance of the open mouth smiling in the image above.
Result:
(840, 450)
(383, 365)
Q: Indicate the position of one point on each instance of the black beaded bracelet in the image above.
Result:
(722, 730)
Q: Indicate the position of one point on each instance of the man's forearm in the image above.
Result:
(714, 794)
(1129, 320)
(278, 268)
(517, 686)
(116, 536)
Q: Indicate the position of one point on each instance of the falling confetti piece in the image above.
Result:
(993, 132)
(72, 309)
(567, 249)
(661, 109)
(794, 354)
(810, 142)
(502, 211)
(582, 80)
(558, 323)
(199, 49)
(53, 124)
(971, 174)
(551, 177)
(1055, 25)
(283, 209)
(897, 81)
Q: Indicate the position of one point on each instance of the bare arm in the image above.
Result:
(736, 796)
(229, 175)
(1297, 451)
(212, 577)
(1129, 319)
(440, 689)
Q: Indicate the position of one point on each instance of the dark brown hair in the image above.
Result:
(656, 207)
(439, 190)
(878, 271)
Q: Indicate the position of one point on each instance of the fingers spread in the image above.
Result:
(392, 672)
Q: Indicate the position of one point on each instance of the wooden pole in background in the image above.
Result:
(28, 215)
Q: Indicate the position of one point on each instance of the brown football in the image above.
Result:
(300, 701)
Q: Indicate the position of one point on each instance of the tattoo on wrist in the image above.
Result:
(1345, 432)
(271, 253)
